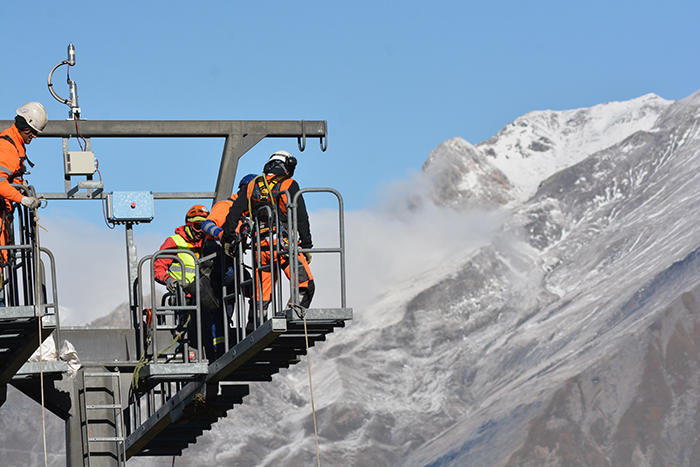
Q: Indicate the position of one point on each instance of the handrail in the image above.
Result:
(24, 284)
(294, 249)
(157, 309)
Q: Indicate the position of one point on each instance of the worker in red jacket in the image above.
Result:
(30, 120)
(170, 273)
(187, 237)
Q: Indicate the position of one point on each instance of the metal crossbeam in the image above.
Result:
(240, 135)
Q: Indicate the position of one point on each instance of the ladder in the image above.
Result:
(103, 419)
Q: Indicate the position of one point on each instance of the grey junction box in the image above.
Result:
(130, 206)
(79, 163)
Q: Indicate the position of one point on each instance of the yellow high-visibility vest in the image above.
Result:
(175, 269)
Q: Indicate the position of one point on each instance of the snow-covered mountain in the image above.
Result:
(571, 337)
(507, 168)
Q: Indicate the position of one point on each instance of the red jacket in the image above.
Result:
(12, 157)
(162, 265)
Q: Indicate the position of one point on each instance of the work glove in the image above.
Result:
(230, 249)
(30, 202)
(308, 257)
(171, 284)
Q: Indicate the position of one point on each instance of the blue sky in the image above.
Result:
(393, 79)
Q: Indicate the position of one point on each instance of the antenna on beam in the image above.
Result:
(72, 101)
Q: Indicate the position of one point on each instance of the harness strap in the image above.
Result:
(22, 169)
(265, 187)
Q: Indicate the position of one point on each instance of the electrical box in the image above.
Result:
(79, 163)
(130, 206)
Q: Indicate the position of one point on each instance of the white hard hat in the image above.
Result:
(281, 156)
(288, 161)
(34, 114)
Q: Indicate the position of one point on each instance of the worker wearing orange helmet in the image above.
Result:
(31, 119)
(277, 181)
(187, 237)
(169, 272)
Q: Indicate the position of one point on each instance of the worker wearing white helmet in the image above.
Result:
(275, 187)
(30, 120)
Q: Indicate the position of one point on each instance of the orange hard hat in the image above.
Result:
(197, 213)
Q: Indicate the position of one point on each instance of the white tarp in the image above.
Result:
(47, 353)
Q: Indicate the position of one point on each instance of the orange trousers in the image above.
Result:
(5, 223)
(264, 278)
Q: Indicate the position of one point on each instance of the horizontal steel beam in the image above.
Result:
(156, 195)
(179, 128)
(240, 136)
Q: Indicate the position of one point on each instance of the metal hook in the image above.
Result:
(321, 140)
(302, 142)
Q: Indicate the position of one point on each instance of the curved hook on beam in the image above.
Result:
(301, 140)
(323, 140)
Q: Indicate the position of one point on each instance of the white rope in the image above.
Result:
(37, 303)
(311, 389)
(41, 378)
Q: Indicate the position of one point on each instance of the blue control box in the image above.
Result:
(130, 206)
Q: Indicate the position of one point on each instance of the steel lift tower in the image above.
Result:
(139, 391)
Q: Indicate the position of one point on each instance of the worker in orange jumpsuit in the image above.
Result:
(214, 223)
(30, 120)
(274, 187)
(212, 226)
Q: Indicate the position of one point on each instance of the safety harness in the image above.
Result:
(264, 192)
(22, 169)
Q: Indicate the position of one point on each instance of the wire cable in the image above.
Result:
(102, 197)
(311, 389)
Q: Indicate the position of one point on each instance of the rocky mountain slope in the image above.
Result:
(569, 340)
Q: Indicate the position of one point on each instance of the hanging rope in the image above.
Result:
(300, 311)
(143, 360)
(43, 403)
(37, 302)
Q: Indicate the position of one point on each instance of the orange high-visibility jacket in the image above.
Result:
(12, 157)
(287, 184)
(217, 216)
(220, 210)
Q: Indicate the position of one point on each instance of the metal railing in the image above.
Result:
(174, 313)
(269, 238)
(24, 281)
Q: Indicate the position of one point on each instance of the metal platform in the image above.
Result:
(19, 339)
(276, 344)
